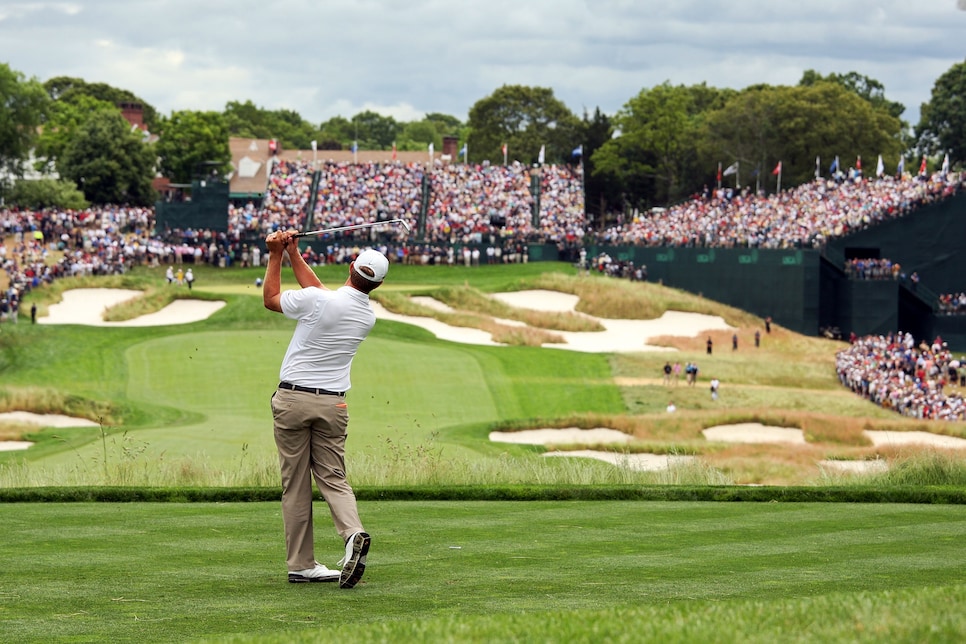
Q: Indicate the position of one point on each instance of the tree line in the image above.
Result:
(664, 144)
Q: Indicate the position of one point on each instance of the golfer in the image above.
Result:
(309, 408)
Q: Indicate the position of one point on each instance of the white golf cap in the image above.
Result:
(372, 261)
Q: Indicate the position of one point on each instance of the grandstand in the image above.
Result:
(782, 256)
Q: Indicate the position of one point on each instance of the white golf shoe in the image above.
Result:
(316, 574)
(354, 562)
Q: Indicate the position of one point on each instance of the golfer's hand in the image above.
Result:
(275, 242)
(291, 241)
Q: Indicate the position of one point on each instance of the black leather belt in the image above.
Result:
(310, 390)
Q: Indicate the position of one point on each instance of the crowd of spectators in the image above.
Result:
(804, 217)
(604, 264)
(873, 269)
(952, 303)
(475, 214)
(896, 373)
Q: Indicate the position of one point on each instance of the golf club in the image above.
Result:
(339, 229)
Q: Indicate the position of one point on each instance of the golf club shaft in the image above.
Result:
(339, 229)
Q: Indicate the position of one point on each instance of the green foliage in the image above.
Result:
(656, 152)
(64, 120)
(763, 125)
(47, 193)
(24, 104)
(109, 161)
(190, 143)
(524, 118)
(288, 127)
(74, 90)
(373, 131)
(602, 191)
(863, 86)
(942, 124)
(418, 135)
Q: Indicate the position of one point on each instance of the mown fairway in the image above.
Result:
(490, 571)
(187, 406)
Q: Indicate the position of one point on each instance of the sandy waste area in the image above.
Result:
(86, 306)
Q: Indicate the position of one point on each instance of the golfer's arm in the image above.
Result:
(303, 272)
(272, 286)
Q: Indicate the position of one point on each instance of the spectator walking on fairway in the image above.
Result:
(310, 412)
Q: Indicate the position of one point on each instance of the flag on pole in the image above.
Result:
(578, 151)
(858, 163)
(504, 154)
(731, 169)
(832, 169)
(945, 169)
(315, 145)
(778, 169)
(719, 174)
(901, 167)
(542, 155)
(879, 167)
(463, 152)
(922, 166)
(355, 150)
(818, 168)
(393, 150)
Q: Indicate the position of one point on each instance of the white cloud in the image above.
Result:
(406, 59)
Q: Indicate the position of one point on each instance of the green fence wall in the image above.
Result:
(208, 208)
(783, 284)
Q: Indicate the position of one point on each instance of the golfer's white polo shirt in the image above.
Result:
(331, 325)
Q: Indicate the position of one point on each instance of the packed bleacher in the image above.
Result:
(806, 216)
(873, 269)
(908, 378)
(952, 303)
(484, 210)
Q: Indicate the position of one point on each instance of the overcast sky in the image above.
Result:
(404, 58)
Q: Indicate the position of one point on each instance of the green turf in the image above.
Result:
(181, 572)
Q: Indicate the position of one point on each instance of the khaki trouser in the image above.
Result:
(310, 433)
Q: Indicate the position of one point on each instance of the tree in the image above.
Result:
(655, 158)
(60, 126)
(47, 193)
(600, 190)
(445, 124)
(109, 162)
(23, 104)
(942, 124)
(66, 88)
(417, 135)
(526, 119)
(373, 131)
(335, 134)
(763, 125)
(867, 88)
(286, 126)
(189, 139)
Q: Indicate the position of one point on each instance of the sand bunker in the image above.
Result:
(598, 435)
(753, 433)
(87, 305)
(40, 420)
(565, 436)
(618, 335)
(635, 462)
(880, 439)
